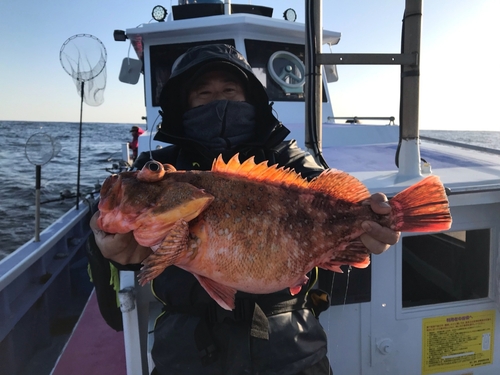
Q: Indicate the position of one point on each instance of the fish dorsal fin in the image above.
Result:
(341, 185)
(259, 172)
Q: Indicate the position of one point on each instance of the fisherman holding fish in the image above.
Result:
(214, 105)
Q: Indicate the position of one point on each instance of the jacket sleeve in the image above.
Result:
(289, 155)
(103, 276)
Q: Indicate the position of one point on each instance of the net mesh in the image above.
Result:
(41, 148)
(83, 57)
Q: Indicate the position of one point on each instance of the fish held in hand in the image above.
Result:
(253, 227)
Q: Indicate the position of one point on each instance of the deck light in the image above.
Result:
(290, 15)
(159, 13)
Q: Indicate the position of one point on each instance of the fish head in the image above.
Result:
(147, 204)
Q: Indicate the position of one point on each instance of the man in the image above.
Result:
(213, 104)
(136, 131)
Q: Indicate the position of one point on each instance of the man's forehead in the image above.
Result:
(216, 75)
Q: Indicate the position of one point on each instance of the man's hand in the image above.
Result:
(121, 248)
(377, 238)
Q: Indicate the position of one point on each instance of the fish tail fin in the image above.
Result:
(423, 207)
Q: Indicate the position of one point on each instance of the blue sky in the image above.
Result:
(459, 63)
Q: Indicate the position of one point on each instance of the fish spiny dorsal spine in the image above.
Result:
(332, 182)
(259, 172)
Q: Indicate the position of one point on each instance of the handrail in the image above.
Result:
(391, 119)
(367, 59)
(20, 260)
(408, 155)
(460, 144)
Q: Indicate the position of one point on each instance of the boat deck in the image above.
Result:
(97, 351)
(368, 153)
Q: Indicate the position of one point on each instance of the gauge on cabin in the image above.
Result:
(159, 13)
(288, 71)
(290, 15)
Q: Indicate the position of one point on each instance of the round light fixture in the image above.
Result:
(159, 13)
(290, 15)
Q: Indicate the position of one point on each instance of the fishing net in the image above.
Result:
(83, 57)
(41, 148)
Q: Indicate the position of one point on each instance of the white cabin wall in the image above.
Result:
(355, 330)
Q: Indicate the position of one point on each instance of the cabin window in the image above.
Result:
(163, 57)
(445, 267)
(258, 55)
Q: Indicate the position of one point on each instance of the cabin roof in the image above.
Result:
(250, 25)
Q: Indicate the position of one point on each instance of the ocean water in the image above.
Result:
(101, 148)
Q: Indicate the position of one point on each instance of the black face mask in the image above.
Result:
(221, 125)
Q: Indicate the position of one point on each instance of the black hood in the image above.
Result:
(189, 65)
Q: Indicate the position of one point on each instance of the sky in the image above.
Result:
(459, 84)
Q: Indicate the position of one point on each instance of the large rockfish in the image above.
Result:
(255, 228)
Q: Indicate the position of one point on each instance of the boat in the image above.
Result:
(428, 305)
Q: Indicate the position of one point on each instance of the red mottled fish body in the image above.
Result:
(255, 228)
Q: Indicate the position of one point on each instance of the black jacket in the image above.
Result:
(196, 336)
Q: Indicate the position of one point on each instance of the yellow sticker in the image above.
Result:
(457, 342)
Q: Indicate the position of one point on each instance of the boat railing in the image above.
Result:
(34, 276)
(357, 119)
(16, 263)
(408, 153)
(460, 144)
(140, 309)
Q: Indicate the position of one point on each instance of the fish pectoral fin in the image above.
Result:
(165, 254)
(222, 294)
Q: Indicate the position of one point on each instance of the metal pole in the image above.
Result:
(409, 152)
(313, 88)
(227, 6)
(318, 78)
(79, 149)
(38, 184)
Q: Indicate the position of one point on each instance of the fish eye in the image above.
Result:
(153, 166)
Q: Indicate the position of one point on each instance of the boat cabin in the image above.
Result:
(273, 47)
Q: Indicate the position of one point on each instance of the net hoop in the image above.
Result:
(75, 65)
